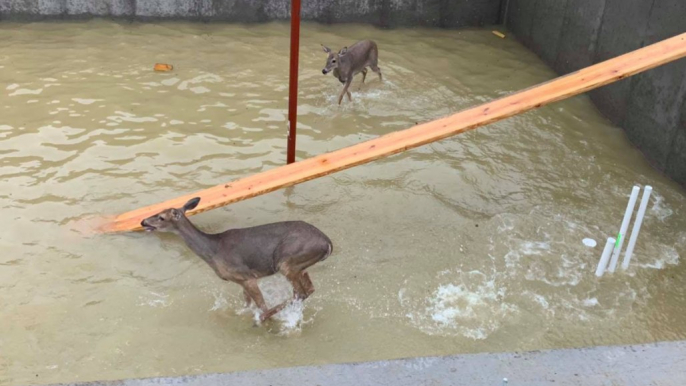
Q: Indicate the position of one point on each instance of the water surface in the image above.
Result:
(471, 244)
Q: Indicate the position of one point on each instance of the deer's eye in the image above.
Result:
(333, 61)
(161, 218)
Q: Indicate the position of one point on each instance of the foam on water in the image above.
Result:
(220, 302)
(291, 318)
(476, 302)
(155, 299)
(665, 255)
(204, 78)
(660, 209)
(26, 91)
(85, 101)
(541, 301)
(473, 309)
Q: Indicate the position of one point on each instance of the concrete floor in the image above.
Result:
(661, 364)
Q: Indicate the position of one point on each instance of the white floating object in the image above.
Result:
(589, 242)
(625, 226)
(605, 256)
(637, 226)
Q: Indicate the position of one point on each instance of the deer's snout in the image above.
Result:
(324, 71)
(147, 226)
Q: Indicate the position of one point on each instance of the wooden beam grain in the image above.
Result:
(560, 88)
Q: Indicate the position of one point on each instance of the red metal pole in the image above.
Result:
(293, 80)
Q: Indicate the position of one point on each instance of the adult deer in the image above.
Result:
(348, 62)
(247, 254)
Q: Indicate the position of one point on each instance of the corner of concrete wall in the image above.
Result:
(572, 34)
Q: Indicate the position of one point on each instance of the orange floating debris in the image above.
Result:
(498, 34)
(163, 67)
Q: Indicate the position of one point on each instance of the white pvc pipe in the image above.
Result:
(622, 230)
(605, 256)
(637, 226)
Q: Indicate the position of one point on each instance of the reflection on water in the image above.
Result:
(471, 244)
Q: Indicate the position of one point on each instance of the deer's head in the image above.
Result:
(333, 59)
(168, 219)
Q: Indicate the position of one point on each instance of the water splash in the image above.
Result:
(220, 302)
(154, 299)
(660, 209)
(473, 309)
(277, 290)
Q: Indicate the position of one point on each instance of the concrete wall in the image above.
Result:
(385, 13)
(650, 107)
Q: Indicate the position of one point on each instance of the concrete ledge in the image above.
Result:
(661, 364)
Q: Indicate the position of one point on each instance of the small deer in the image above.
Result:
(348, 62)
(245, 255)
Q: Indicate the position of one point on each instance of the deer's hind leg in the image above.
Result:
(294, 267)
(293, 276)
(306, 283)
(364, 74)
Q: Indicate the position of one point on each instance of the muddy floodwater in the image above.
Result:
(471, 244)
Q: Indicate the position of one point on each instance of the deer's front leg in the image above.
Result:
(253, 290)
(247, 298)
(345, 91)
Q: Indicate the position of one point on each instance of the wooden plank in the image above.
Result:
(563, 87)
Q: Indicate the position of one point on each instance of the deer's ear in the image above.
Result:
(191, 204)
(176, 214)
(326, 49)
(343, 51)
